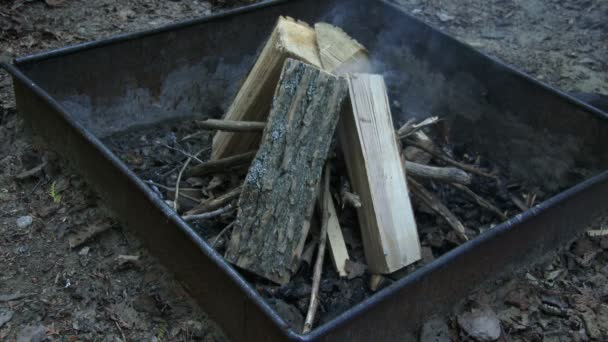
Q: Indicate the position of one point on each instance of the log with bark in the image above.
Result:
(325, 46)
(289, 39)
(375, 168)
(277, 200)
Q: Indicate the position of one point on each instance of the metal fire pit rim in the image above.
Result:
(249, 291)
(355, 311)
(171, 215)
(123, 37)
(506, 66)
(444, 260)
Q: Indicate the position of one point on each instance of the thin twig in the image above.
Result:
(222, 165)
(410, 127)
(431, 201)
(205, 216)
(221, 233)
(168, 188)
(452, 162)
(481, 201)
(444, 174)
(316, 279)
(232, 125)
(120, 330)
(179, 178)
(217, 202)
(183, 152)
(518, 202)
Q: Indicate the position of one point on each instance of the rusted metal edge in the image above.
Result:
(542, 228)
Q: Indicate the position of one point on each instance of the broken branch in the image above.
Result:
(465, 167)
(431, 201)
(231, 125)
(410, 127)
(206, 216)
(444, 174)
(481, 201)
(316, 279)
(222, 165)
(217, 202)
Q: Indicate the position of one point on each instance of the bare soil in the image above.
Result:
(49, 290)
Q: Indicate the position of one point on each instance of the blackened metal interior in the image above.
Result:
(535, 133)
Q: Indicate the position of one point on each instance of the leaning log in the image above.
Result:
(278, 197)
(375, 168)
(339, 53)
(289, 39)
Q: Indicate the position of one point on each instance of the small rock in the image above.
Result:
(32, 333)
(24, 221)
(127, 260)
(84, 251)
(5, 316)
(354, 269)
(435, 330)
(444, 17)
(481, 324)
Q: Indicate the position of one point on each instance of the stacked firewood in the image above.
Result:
(310, 99)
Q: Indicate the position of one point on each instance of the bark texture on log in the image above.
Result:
(278, 196)
(289, 39)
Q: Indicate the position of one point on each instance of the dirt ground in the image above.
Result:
(51, 291)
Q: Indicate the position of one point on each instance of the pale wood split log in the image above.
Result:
(231, 125)
(289, 39)
(339, 53)
(375, 169)
(326, 47)
(337, 246)
(444, 174)
(278, 197)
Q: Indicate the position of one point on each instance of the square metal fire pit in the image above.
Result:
(75, 96)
